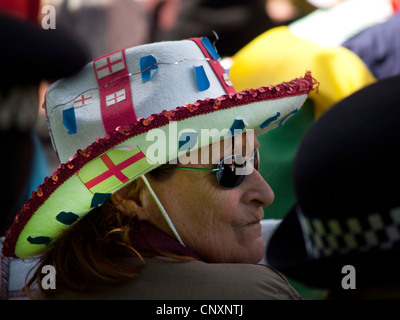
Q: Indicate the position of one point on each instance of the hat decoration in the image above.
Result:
(109, 112)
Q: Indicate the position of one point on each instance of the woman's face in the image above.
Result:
(219, 225)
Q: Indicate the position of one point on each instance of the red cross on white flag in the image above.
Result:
(83, 99)
(109, 64)
(113, 81)
(115, 97)
(227, 80)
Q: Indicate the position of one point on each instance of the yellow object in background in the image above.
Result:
(278, 55)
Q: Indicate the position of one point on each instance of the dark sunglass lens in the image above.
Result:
(228, 175)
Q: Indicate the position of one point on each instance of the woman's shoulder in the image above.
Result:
(171, 279)
(200, 280)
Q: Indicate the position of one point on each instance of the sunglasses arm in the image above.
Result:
(198, 169)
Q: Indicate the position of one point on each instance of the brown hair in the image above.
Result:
(85, 254)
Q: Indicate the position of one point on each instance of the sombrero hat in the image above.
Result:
(112, 123)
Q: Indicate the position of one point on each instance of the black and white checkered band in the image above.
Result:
(325, 238)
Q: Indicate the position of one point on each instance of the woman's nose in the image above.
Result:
(258, 189)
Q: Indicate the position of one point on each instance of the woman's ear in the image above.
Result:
(129, 200)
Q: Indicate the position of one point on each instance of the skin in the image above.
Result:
(217, 224)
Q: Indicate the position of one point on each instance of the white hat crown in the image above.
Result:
(126, 85)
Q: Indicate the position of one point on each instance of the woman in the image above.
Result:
(161, 229)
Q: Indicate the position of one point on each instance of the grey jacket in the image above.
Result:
(170, 279)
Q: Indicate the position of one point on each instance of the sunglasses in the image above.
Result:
(231, 171)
